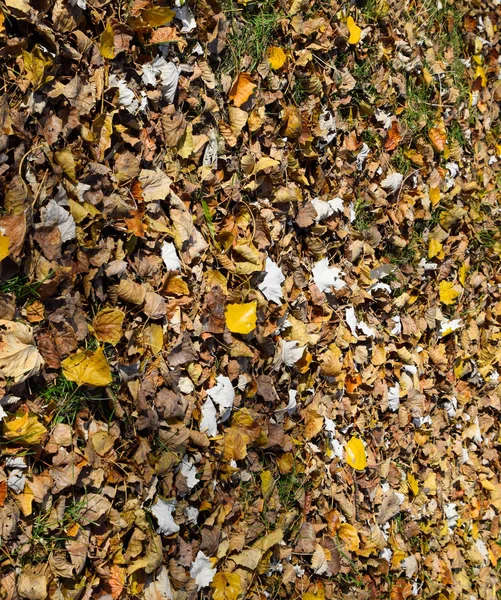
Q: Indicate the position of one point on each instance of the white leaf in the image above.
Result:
(19, 357)
(185, 385)
(126, 97)
(271, 286)
(16, 481)
(3, 414)
(362, 155)
(169, 77)
(394, 397)
(392, 182)
(292, 406)
(53, 214)
(209, 158)
(223, 395)
(158, 587)
(209, 421)
(397, 329)
(170, 257)
(189, 470)
(202, 570)
(355, 324)
(447, 327)
(326, 277)
(80, 3)
(191, 513)
(326, 209)
(163, 510)
(287, 353)
(383, 118)
(186, 17)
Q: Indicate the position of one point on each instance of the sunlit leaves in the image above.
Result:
(241, 318)
(356, 456)
(87, 368)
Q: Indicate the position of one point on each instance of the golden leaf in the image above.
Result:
(349, 535)
(354, 30)
(4, 246)
(241, 318)
(263, 163)
(413, 484)
(438, 135)
(242, 89)
(107, 325)
(448, 292)
(158, 16)
(355, 454)
(23, 428)
(267, 482)
(226, 586)
(87, 368)
(107, 42)
(435, 248)
(276, 57)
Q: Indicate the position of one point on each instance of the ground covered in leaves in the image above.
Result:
(250, 302)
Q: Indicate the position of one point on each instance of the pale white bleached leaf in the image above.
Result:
(397, 328)
(170, 257)
(392, 182)
(158, 586)
(362, 156)
(327, 125)
(271, 286)
(187, 18)
(326, 209)
(126, 97)
(167, 72)
(394, 397)
(355, 324)
(223, 394)
(16, 481)
(383, 118)
(447, 327)
(189, 470)
(287, 353)
(185, 385)
(53, 214)
(292, 405)
(208, 423)
(326, 277)
(202, 571)
(163, 511)
(19, 356)
(191, 513)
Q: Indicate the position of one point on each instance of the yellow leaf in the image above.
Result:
(242, 89)
(355, 454)
(276, 57)
(267, 482)
(463, 272)
(35, 65)
(434, 196)
(87, 368)
(448, 293)
(4, 246)
(479, 72)
(226, 586)
(107, 325)
(107, 42)
(413, 484)
(158, 16)
(349, 535)
(23, 428)
(241, 318)
(354, 30)
(264, 163)
(435, 248)
(153, 338)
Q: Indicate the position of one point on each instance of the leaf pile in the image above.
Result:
(250, 301)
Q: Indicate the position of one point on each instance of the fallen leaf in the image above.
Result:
(276, 57)
(242, 89)
(355, 31)
(107, 325)
(87, 368)
(23, 428)
(19, 356)
(107, 42)
(355, 454)
(226, 586)
(448, 292)
(241, 318)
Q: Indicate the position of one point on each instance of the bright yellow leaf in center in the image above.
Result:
(355, 454)
(276, 57)
(354, 30)
(226, 586)
(241, 318)
(87, 368)
(448, 293)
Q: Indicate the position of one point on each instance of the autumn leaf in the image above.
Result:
(4, 246)
(241, 318)
(107, 325)
(355, 454)
(226, 586)
(448, 292)
(413, 484)
(107, 42)
(157, 16)
(19, 356)
(242, 89)
(23, 428)
(87, 368)
(349, 535)
(354, 30)
(276, 57)
(438, 135)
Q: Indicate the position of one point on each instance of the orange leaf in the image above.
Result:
(438, 135)
(394, 137)
(242, 89)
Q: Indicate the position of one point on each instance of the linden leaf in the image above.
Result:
(448, 292)
(241, 318)
(23, 428)
(107, 325)
(354, 30)
(158, 16)
(226, 586)
(87, 368)
(242, 89)
(276, 57)
(355, 454)
(4, 246)
(107, 42)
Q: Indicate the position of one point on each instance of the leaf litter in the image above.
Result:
(249, 299)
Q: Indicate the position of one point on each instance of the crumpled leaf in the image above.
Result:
(392, 182)
(326, 278)
(202, 570)
(242, 89)
(163, 511)
(19, 356)
(241, 318)
(54, 214)
(87, 368)
(170, 257)
(355, 454)
(271, 286)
